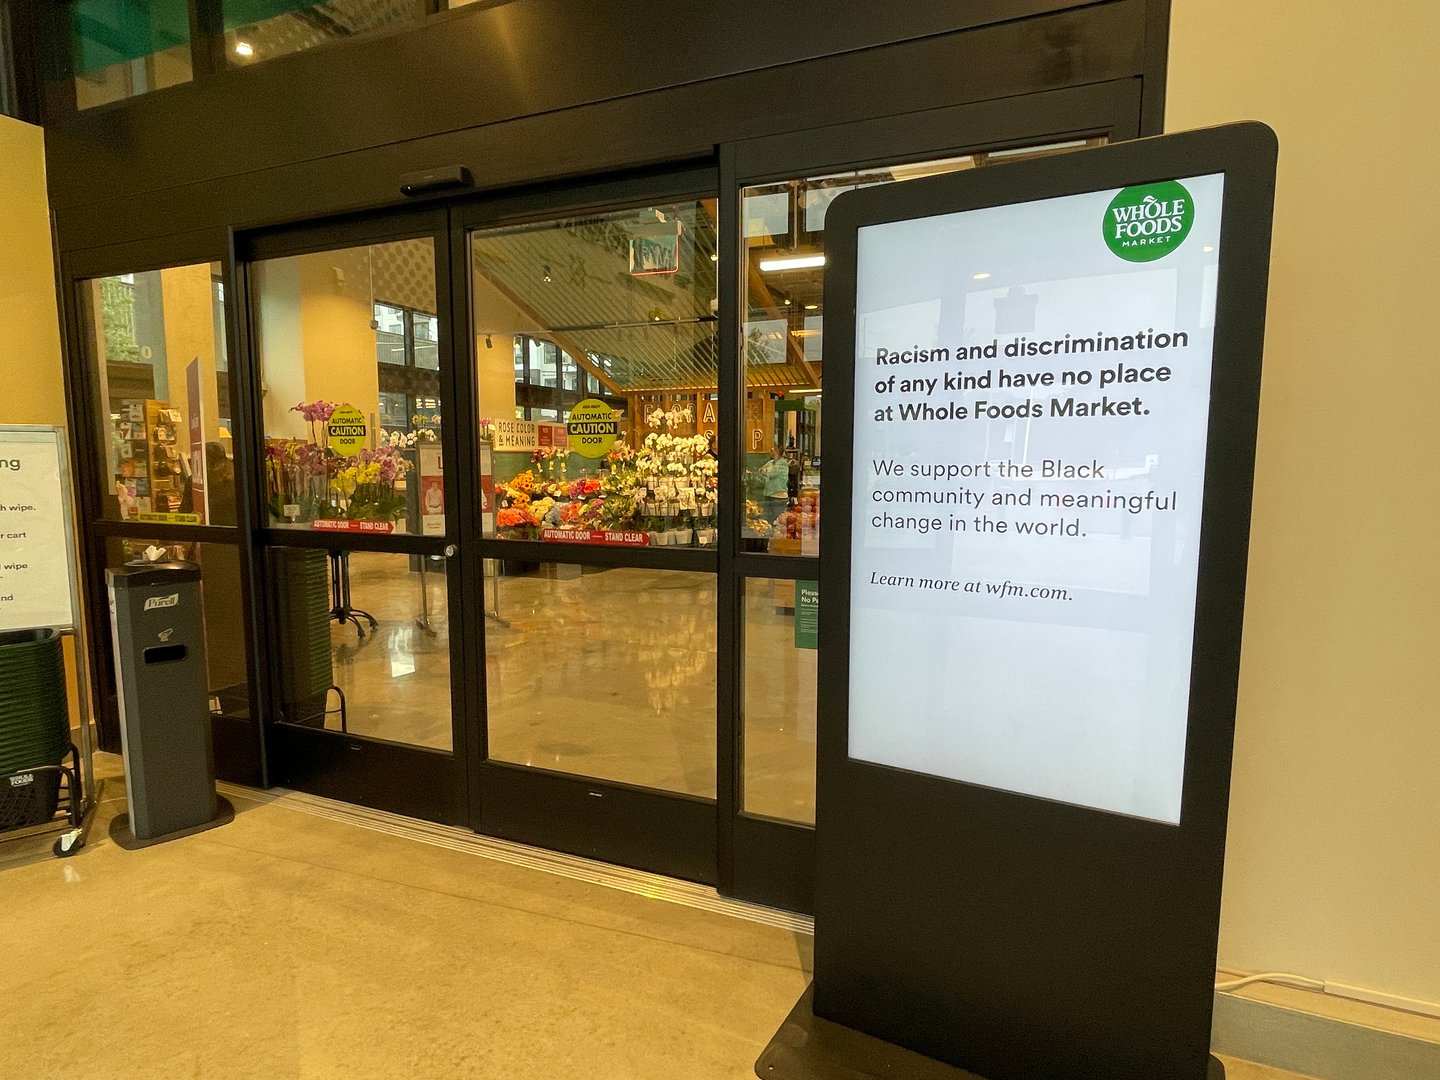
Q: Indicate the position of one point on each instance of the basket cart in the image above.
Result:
(45, 779)
(40, 768)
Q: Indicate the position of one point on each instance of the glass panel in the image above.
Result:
(157, 343)
(627, 299)
(425, 334)
(385, 671)
(121, 48)
(608, 673)
(778, 717)
(389, 335)
(783, 235)
(257, 30)
(346, 446)
(225, 660)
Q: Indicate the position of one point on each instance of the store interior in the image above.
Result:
(602, 671)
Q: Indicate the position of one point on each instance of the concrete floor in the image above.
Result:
(287, 944)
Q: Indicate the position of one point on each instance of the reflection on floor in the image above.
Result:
(608, 673)
(779, 706)
(396, 679)
(289, 945)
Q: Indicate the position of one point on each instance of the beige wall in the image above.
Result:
(1334, 860)
(497, 316)
(34, 392)
(190, 335)
(339, 343)
(316, 341)
(35, 389)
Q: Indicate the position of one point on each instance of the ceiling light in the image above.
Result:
(981, 276)
(794, 262)
(811, 307)
(545, 276)
(714, 256)
(245, 49)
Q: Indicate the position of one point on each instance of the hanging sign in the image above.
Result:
(655, 249)
(346, 430)
(593, 428)
(36, 575)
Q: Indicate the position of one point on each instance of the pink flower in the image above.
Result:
(316, 411)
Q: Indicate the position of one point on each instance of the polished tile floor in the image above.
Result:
(291, 945)
(607, 673)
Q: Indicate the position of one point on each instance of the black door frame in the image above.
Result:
(746, 856)
(411, 780)
(662, 832)
(763, 859)
(239, 742)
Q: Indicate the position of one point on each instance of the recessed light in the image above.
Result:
(245, 49)
(981, 276)
(797, 262)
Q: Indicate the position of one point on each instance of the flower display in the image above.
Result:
(406, 440)
(665, 487)
(307, 480)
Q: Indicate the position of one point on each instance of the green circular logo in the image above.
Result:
(592, 428)
(1149, 221)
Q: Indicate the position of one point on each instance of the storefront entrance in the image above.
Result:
(508, 506)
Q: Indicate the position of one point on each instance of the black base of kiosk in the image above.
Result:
(121, 833)
(809, 1048)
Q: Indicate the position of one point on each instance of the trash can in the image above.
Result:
(34, 726)
(159, 632)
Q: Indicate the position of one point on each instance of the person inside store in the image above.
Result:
(775, 476)
(219, 487)
(796, 475)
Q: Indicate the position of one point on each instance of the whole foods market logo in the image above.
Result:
(1147, 222)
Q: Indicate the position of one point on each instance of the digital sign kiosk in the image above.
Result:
(1042, 383)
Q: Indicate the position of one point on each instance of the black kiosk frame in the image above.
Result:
(1009, 935)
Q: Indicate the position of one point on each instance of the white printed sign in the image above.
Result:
(1031, 405)
(36, 583)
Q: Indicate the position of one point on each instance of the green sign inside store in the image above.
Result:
(807, 614)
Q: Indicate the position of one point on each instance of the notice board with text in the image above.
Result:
(1042, 382)
(37, 569)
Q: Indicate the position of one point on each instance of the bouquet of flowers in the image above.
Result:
(296, 479)
(307, 479)
(364, 485)
(517, 522)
